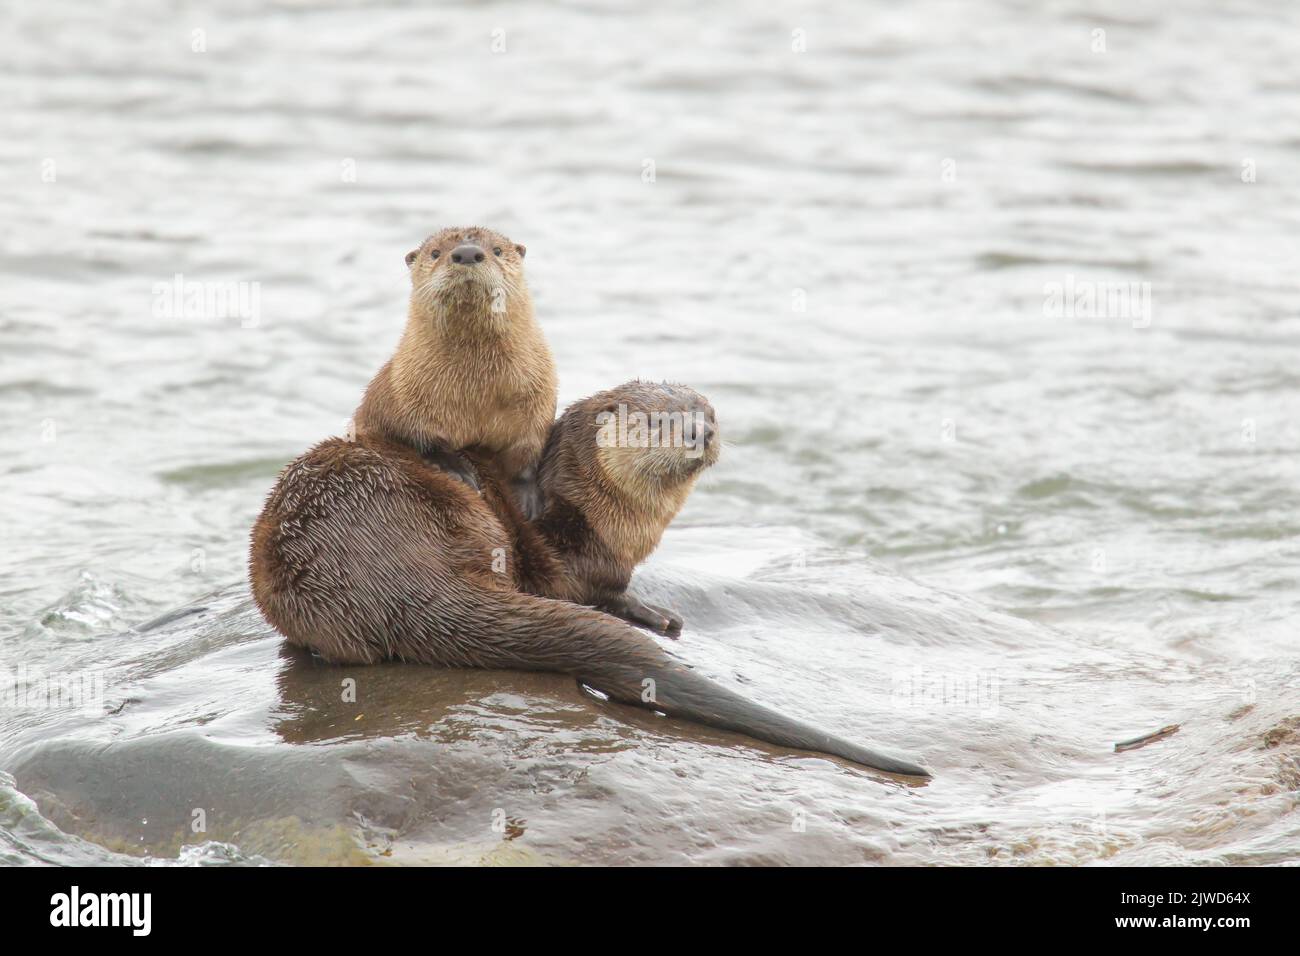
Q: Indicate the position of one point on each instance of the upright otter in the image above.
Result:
(472, 369)
(367, 552)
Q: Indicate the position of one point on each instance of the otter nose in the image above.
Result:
(467, 255)
(704, 432)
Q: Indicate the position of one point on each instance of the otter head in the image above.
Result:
(629, 456)
(654, 439)
(467, 267)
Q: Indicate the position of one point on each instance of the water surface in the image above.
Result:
(949, 519)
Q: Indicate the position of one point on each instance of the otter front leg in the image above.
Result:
(527, 492)
(453, 464)
(635, 611)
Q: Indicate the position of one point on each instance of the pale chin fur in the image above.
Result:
(447, 291)
(663, 466)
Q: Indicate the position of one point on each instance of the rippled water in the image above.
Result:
(952, 518)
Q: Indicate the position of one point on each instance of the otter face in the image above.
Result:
(654, 439)
(474, 260)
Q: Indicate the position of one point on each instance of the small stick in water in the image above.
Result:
(1145, 739)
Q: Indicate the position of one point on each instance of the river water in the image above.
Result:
(996, 302)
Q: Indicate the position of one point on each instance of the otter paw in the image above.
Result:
(468, 476)
(528, 496)
(672, 621)
(637, 612)
(455, 465)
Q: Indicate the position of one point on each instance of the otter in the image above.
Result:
(472, 369)
(609, 495)
(367, 551)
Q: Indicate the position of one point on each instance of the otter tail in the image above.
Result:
(680, 692)
(628, 666)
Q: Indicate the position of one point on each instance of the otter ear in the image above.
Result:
(410, 256)
(521, 249)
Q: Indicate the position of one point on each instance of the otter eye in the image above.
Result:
(496, 250)
(434, 254)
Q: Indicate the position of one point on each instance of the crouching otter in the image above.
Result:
(366, 551)
(610, 491)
